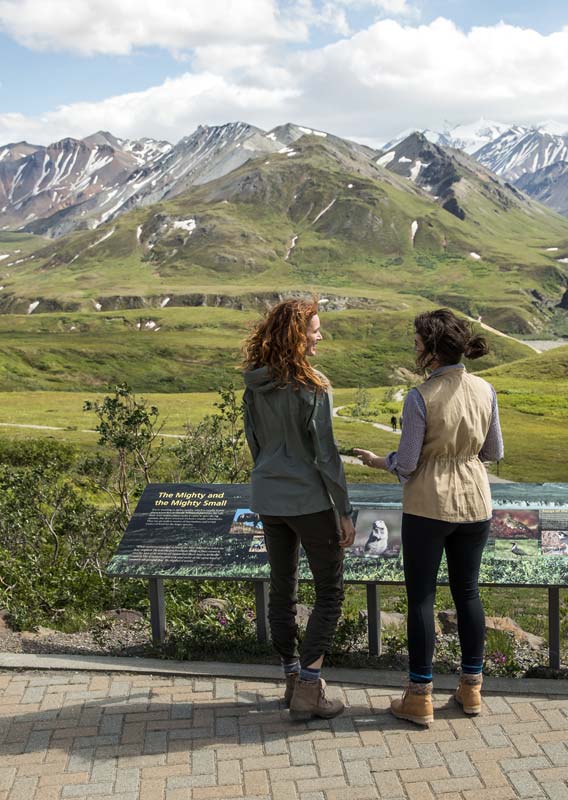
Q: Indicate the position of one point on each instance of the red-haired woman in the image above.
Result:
(298, 488)
(451, 425)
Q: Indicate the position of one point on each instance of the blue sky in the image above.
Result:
(364, 68)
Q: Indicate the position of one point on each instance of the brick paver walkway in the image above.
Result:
(144, 737)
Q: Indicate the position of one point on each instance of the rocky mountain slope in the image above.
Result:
(81, 184)
(548, 185)
(515, 153)
(52, 190)
(424, 225)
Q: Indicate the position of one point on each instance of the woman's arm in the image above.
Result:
(493, 449)
(403, 462)
(328, 460)
(252, 441)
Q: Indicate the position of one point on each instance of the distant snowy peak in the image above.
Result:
(289, 133)
(520, 150)
(434, 137)
(554, 128)
(17, 150)
(548, 185)
(472, 136)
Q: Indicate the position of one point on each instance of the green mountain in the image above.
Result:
(321, 216)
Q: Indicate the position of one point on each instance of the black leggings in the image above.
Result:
(319, 536)
(423, 541)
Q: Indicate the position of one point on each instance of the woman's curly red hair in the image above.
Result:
(279, 342)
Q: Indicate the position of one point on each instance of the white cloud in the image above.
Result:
(393, 76)
(368, 86)
(169, 111)
(119, 26)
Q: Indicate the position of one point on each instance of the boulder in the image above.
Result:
(213, 603)
(448, 621)
(124, 615)
(510, 626)
(4, 620)
(392, 619)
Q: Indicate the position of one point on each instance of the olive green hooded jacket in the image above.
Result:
(297, 466)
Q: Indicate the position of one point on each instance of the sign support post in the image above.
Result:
(554, 627)
(374, 619)
(157, 610)
(261, 601)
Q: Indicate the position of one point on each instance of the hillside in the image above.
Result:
(549, 367)
(321, 215)
(196, 349)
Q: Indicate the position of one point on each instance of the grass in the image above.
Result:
(533, 411)
(197, 349)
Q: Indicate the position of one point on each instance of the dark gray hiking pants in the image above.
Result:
(318, 535)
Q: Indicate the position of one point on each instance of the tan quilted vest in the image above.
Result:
(450, 482)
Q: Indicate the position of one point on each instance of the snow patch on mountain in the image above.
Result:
(292, 246)
(321, 213)
(188, 225)
(386, 159)
(102, 239)
(413, 231)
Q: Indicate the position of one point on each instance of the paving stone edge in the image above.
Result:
(268, 672)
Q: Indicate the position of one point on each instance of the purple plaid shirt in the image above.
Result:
(403, 462)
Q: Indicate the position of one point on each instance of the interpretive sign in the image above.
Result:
(196, 531)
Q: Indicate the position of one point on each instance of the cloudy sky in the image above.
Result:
(364, 69)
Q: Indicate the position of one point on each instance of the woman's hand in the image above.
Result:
(370, 459)
(346, 532)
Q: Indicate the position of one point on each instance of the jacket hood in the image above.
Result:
(260, 380)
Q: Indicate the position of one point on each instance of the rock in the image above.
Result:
(125, 615)
(510, 626)
(38, 633)
(303, 614)
(448, 620)
(4, 617)
(215, 603)
(392, 619)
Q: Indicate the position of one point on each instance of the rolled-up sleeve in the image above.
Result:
(403, 462)
(493, 449)
(328, 460)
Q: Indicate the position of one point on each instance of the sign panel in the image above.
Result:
(209, 531)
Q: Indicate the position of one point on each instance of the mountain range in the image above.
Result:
(415, 225)
(535, 159)
(79, 184)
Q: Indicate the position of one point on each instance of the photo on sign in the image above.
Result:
(257, 545)
(514, 525)
(554, 543)
(554, 520)
(246, 521)
(377, 533)
(516, 549)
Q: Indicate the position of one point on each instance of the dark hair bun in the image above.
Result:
(476, 347)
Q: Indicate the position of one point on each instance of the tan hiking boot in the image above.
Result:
(291, 681)
(309, 701)
(415, 704)
(468, 693)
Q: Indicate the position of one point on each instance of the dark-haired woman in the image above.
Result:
(298, 488)
(451, 425)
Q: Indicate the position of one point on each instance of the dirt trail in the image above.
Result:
(77, 430)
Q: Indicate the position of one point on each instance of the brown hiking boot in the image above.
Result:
(309, 700)
(415, 704)
(291, 680)
(468, 693)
